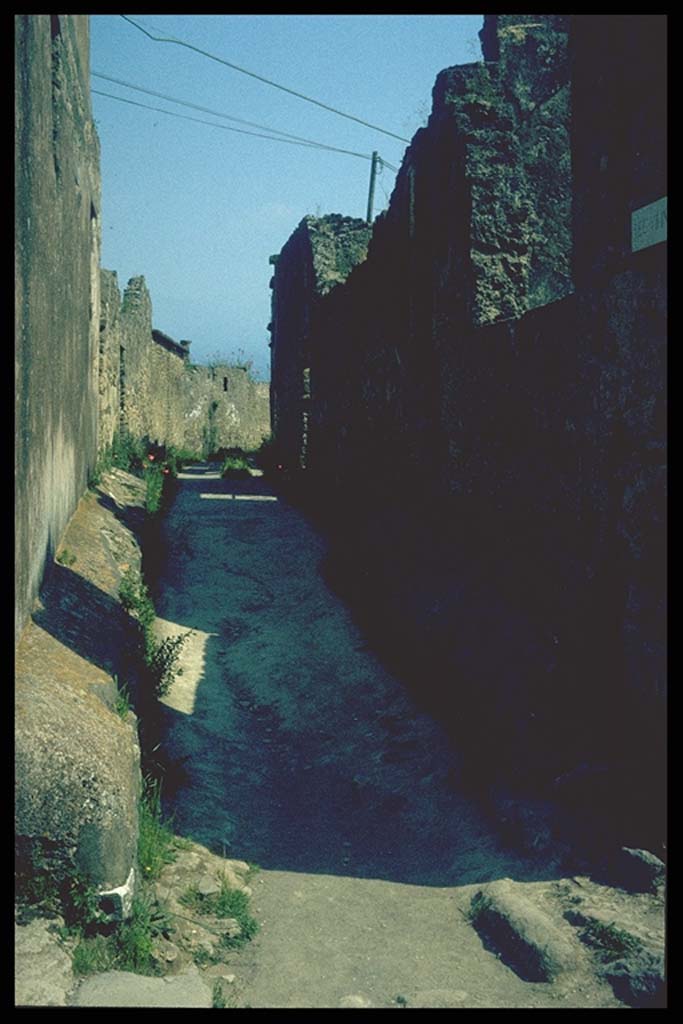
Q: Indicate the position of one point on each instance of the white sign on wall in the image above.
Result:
(648, 225)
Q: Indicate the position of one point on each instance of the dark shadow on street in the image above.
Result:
(356, 789)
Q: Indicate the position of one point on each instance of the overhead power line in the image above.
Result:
(385, 163)
(227, 128)
(206, 110)
(260, 78)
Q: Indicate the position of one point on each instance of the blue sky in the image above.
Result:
(198, 210)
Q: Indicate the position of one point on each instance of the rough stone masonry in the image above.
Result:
(490, 379)
(86, 363)
(148, 385)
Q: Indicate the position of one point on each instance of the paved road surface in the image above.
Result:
(293, 748)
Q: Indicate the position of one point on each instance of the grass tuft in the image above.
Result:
(218, 1000)
(156, 842)
(226, 903)
(610, 942)
(94, 955)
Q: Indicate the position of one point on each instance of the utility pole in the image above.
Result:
(371, 194)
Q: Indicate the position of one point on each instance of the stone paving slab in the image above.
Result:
(119, 988)
(42, 968)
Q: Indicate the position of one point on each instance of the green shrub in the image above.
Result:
(127, 452)
(235, 466)
(176, 458)
(161, 659)
(81, 905)
(154, 480)
(134, 596)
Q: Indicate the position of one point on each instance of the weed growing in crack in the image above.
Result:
(122, 704)
(159, 657)
(135, 941)
(129, 945)
(235, 467)
(156, 842)
(92, 956)
(232, 903)
(609, 941)
(161, 661)
(154, 479)
(218, 1000)
(134, 596)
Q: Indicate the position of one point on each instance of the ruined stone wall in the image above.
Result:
(477, 231)
(109, 370)
(487, 410)
(57, 189)
(319, 255)
(166, 371)
(136, 358)
(150, 387)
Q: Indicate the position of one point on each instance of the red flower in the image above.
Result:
(166, 470)
(151, 458)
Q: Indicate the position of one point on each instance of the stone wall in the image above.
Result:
(109, 363)
(86, 363)
(57, 234)
(148, 385)
(486, 424)
(319, 255)
(77, 761)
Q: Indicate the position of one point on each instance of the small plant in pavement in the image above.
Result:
(610, 942)
(225, 903)
(218, 1000)
(156, 842)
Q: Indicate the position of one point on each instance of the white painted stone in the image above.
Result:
(121, 897)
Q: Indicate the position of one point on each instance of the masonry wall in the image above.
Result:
(148, 385)
(319, 255)
(57, 189)
(109, 359)
(487, 412)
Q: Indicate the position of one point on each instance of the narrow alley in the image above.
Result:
(288, 745)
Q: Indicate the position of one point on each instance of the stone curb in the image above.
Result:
(525, 937)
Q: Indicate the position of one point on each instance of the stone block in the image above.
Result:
(77, 785)
(522, 934)
(638, 870)
(42, 967)
(639, 980)
(185, 990)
